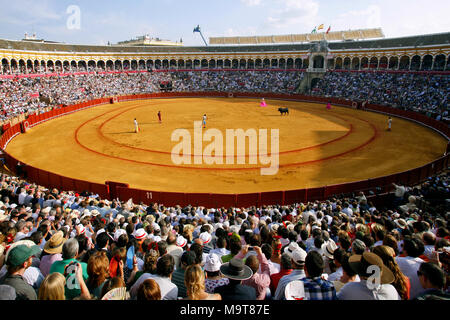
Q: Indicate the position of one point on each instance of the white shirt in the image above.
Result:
(21, 198)
(409, 267)
(33, 277)
(220, 252)
(273, 267)
(169, 291)
(20, 235)
(335, 275)
(360, 291)
(400, 191)
(347, 211)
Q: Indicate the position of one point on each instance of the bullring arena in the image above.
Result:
(317, 146)
(78, 140)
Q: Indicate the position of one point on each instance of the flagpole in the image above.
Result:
(197, 29)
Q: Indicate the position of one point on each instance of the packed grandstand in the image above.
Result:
(75, 244)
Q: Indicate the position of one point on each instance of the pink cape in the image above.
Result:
(263, 104)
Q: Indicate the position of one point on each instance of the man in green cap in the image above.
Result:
(19, 259)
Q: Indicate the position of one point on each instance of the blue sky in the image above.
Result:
(102, 21)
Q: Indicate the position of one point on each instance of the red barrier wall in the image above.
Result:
(111, 189)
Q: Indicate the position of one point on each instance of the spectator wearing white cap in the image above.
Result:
(298, 257)
(206, 238)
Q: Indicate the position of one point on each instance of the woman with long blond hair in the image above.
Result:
(194, 280)
(98, 271)
(52, 287)
(401, 282)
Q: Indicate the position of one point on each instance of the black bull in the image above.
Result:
(283, 110)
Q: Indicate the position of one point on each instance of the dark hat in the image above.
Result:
(236, 270)
(18, 255)
(360, 263)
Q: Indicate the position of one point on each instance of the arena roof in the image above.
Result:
(307, 37)
(411, 41)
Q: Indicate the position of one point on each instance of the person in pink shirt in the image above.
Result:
(52, 252)
(260, 279)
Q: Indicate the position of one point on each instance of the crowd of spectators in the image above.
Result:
(24, 95)
(427, 94)
(57, 245)
(244, 81)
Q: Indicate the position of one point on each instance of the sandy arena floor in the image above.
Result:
(317, 146)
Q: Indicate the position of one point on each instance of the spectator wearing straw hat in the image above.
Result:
(364, 290)
(52, 252)
(328, 249)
